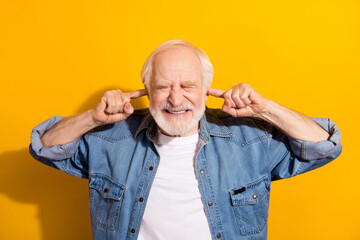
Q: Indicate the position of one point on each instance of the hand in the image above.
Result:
(241, 101)
(115, 106)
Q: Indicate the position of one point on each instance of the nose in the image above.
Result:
(176, 97)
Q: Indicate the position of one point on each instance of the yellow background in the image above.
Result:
(59, 57)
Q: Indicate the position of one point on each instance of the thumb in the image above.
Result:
(128, 109)
(102, 105)
(236, 112)
(226, 107)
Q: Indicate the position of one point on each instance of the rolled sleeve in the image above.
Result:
(57, 152)
(308, 150)
(70, 158)
(290, 157)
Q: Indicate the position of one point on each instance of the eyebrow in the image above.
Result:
(184, 84)
(188, 84)
(162, 84)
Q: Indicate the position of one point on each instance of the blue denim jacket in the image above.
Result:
(236, 161)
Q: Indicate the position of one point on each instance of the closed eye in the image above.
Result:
(163, 87)
(188, 85)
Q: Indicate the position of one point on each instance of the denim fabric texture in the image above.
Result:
(236, 160)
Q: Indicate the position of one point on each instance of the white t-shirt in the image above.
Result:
(174, 209)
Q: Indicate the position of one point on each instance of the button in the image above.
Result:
(141, 199)
(202, 171)
(218, 235)
(132, 230)
(106, 190)
(210, 204)
(255, 196)
(151, 168)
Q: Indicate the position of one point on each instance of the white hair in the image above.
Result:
(207, 68)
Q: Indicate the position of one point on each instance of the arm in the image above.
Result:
(243, 101)
(294, 124)
(114, 106)
(299, 144)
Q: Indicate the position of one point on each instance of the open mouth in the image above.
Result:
(176, 112)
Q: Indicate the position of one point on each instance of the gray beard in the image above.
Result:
(176, 127)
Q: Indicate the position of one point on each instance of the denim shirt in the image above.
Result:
(236, 160)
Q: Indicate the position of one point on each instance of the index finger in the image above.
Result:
(137, 93)
(216, 92)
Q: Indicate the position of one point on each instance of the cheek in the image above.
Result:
(156, 99)
(197, 99)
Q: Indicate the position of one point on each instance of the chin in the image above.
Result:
(176, 126)
(177, 129)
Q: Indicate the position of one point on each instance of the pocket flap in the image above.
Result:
(106, 186)
(251, 193)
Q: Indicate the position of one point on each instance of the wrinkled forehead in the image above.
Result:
(178, 63)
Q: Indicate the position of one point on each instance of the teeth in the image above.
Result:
(180, 112)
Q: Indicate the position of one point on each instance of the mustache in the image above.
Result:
(168, 106)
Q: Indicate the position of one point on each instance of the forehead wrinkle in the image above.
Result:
(176, 66)
(174, 58)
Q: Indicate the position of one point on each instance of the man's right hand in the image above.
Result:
(115, 106)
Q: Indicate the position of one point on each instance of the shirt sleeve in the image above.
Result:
(70, 158)
(290, 157)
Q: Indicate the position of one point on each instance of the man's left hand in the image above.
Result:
(241, 101)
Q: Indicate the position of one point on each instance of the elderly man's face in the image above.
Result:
(176, 93)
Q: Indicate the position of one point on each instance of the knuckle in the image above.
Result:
(125, 97)
(238, 85)
(243, 97)
(235, 95)
(227, 94)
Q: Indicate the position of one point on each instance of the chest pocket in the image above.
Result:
(251, 206)
(105, 201)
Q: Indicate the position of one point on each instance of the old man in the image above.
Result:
(180, 170)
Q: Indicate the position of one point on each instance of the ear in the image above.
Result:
(148, 92)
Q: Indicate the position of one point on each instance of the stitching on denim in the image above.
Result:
(298, 171)
(135, 220)
(262, 125)
(218, 134)
(68, 171)
(220, 228)
(209, 215)
(147, 190)
(110, 139)
(67, 155)
(255, 140)
(248, 142)
(107, 178)
(109, 225)
(284, 155)
(91, 199)
(248, 232)
(222, 125)
(252, 185)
